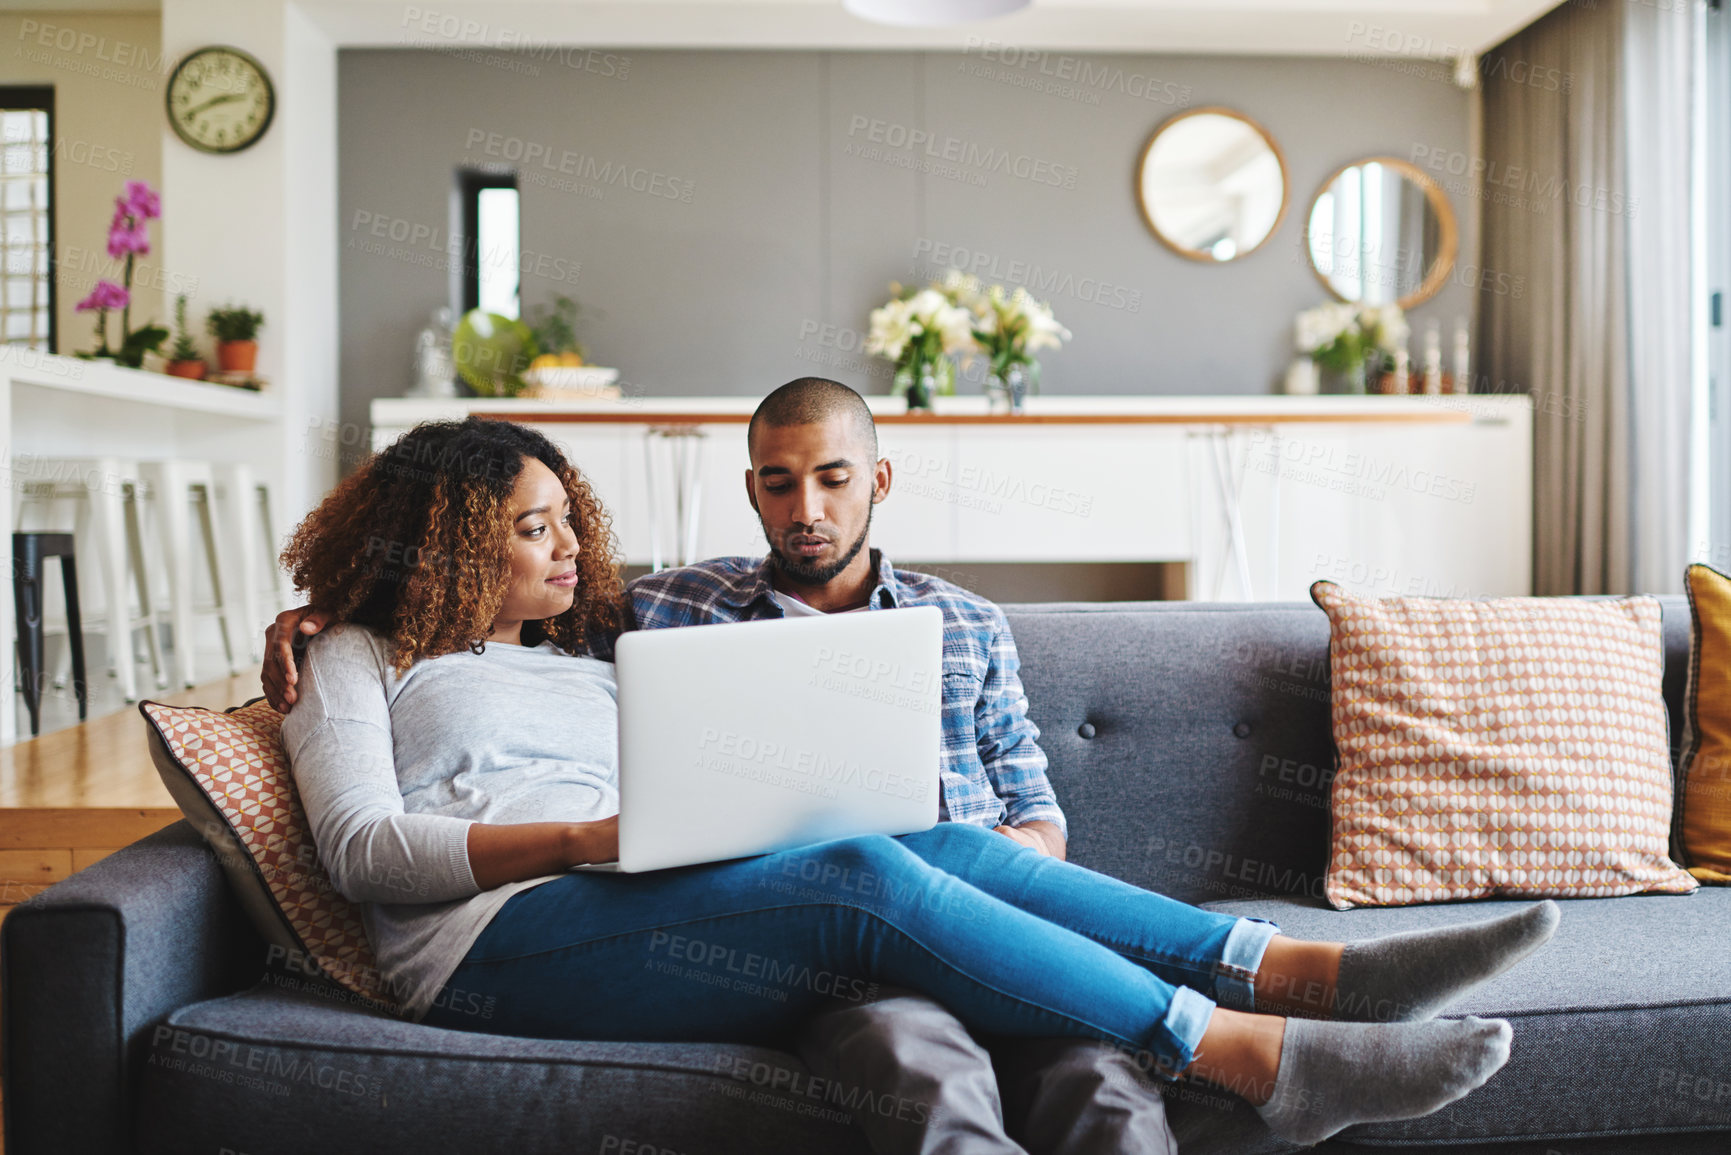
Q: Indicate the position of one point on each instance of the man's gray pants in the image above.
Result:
(936, 1090)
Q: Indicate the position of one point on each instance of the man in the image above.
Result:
(814, 479)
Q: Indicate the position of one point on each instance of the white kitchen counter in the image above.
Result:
(402, 412)
(56, 407)
(1258, 495)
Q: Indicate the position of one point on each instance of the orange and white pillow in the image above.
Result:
(1511, 747)
(230, 777)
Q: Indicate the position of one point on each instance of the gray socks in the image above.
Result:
(1413, 975)
(1333, 1075)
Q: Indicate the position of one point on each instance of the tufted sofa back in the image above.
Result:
(1190, 743)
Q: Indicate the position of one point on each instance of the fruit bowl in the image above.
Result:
(570, 382)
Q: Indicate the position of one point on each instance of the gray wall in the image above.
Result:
(777, 229)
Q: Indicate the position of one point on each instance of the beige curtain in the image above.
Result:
(1588, 188)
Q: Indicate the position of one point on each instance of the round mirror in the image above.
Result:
(1211, 184)
(1381, 232)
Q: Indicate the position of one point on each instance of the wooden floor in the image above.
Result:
(70, 797)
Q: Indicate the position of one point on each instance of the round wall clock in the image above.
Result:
(220, 99)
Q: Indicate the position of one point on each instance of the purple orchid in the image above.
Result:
(106, 295)
(142, 201)
(128, 239)
(126, 233)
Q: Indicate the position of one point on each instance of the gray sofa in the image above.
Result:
(1190, 748)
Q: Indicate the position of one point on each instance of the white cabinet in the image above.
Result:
(1072, 493)
(919, 519)
(1414, 511)
(1261, 496)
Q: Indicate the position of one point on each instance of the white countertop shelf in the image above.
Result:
(100, 379)
(1129, 409)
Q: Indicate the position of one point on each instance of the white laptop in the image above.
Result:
(747, 738)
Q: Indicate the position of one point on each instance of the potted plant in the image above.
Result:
(555, 331)
(127, 239)
(560, 369)
(1348, 342)
(184, 360)
(918, 332)
(1010, 326)
(235, 328)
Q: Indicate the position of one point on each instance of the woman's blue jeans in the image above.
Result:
(1012, 942)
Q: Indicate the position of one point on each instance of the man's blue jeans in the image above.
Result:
(1012, 942)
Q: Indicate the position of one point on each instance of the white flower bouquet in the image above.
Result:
(1343, 338)
(1010, 327)
(920, 331)
(959, 317)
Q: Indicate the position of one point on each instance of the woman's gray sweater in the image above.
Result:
(392, 768)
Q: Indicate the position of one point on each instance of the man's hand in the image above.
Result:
(279, 674)
(1041, 836)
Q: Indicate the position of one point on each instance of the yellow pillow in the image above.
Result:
(1512, 747)
(1704, 799)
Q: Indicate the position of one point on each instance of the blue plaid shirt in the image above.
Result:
(992, 770)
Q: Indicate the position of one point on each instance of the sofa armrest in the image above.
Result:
(88, 965)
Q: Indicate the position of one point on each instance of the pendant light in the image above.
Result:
(930, 13)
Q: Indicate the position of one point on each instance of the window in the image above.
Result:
(491, 236)
(27, 217)
(1715, 259)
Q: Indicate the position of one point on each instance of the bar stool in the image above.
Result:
(29, 550)
(684, 449)
(105, 525)
(182, 491)
(246, 505)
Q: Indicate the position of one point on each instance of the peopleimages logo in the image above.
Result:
(1042, 282)
(120, 53)
(444, 31)
(533, 155)
(1516, 186)
(1073, 77)
(984, 159)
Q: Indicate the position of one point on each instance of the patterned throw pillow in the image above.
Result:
(230, 777)
(1514, 747)
(1704, 795)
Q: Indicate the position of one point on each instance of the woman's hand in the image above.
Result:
(514, 852)
(594, 841)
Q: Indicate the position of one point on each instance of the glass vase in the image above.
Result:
(919, 384)
(1350, 380)
(1007, 393)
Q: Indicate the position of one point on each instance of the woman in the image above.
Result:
(456, 755)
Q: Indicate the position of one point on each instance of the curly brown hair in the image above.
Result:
(415, 543)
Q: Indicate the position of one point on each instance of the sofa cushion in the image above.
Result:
(1703, 820)
(1189, 742)
(1503, 747)
(1620, 1020)
(230, 777)
(283, 1069)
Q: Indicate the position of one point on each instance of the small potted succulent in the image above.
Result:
(184, 360)
(235, 328)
